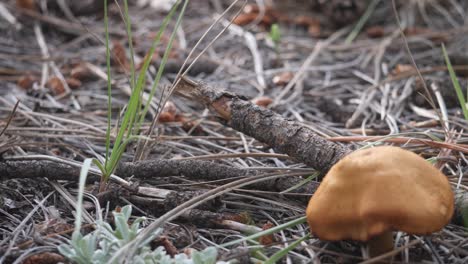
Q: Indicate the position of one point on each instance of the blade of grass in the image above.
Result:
(125, 126)
(132, 106)
(109, 84)
(130, 115)
(163, 62)
(455, 83)
(128, 23)
(275, 229)
(136, 90)
(163, 100)
(156, 40)
(79, 204)
(362, 21)
(156, 81)
(308, 179)
(278, 255)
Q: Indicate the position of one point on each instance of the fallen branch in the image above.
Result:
(149, 169)
(286, 136)
(192, 169)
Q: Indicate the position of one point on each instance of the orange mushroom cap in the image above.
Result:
(380, 189)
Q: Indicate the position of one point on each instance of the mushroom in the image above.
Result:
(372, 192)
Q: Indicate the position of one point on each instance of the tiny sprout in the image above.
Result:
(275, 34)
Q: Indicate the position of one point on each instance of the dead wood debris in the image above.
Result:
(290, 137)
(151, 169)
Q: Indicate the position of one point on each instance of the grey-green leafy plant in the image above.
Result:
(133, 117)
(100, 245)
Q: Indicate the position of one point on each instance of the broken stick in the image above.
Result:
(286, 136)
(197, 170)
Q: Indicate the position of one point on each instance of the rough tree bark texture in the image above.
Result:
(286, 136)
(150, 169)
(37, 168)
(193, 169)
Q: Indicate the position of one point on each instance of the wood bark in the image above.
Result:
(150, 169)
(286, 136)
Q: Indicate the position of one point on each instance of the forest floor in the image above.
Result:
(353, 90)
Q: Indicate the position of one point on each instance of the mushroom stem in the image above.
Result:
(380, 244)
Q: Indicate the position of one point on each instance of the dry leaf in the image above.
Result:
(119, 56)
(26, 81)
(305, 21)
(56, 85)
(263, 101)
(267, 239)
(375, 32)
(26, 4)
(44, 258)
(168, 113)
(283, 78)
(73, 83)
(400, 68)
(314, 30)
(81, 72)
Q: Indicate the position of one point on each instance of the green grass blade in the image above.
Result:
(79, 203)
(120, 151)
(275, 229)
(278, 255)
(141, 77)
(100, 166)
(128, 23)
(163, 63)
(308, 179)
(134, 97)
(118, 155)
(109, 82)
(136, 90)
(126, 129)
(362, 21)
(123, 127)
(129, 117)
(456, 84)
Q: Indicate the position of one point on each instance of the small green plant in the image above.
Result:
(133, 117)
(275, 36)
(100, 245)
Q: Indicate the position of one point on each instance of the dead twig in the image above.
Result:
(290, 137)
(10, 117)
(193, 169)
